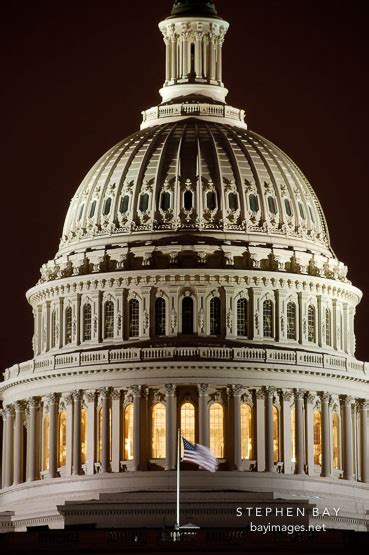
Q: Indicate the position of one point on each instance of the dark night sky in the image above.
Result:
(76, 74)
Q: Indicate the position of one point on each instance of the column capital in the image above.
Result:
(90, 396)
(136, 390)
(269, 391)
(52, 398)
(286, 394)
(260, 394)
(33, 403)
(9, 410)
(19, 406)
(104, 392)
(346, 399)
(77, 395)
(68, 398)
(170, 389)
(238, 389)
(116, 394)
(203, 389)
(299, 394)
(326, 397)
(310, 397)
(363, 404)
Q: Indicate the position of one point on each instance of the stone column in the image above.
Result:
(76, 467)
(363, 405)
(18, 443)
(320, 317)
(53, 442)
(33, 470)
(68, 400)
(3, 453)
(269, 392)
(219, 59)
(348, 468)
(203, 414)
(255, 329)
(174, 58)
(185, 47)
(237, 392)
(136, 390)
(326, 436)
(260, 430)
(167, 58)
(116, 430)
(212, 59)
(198, 55)
(91, 431)
(9, 446)
(105, 440)
(171, 427)
(299, 431)
(309, 426)
(286, 397)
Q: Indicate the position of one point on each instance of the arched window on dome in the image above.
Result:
(80, 214)
(216, 421)
(302, 211)
(144, 202)
(45, 442)
(272, 205)
(287, 206)
(87, 322)
(276, 442)
(233, 201)
(109, 320)
(311, 214)
(242, 317)
(188, 422)
(68, 325)
(128, 432)
(254, 202)
(291, 321)
(293, 434)
(165, 201)
(336, 440)
(107, 207)
(187, 315)
(211, 200)
(92, 209)
(124, 204)
(158, 431)
(311, 324)
(188, 200)
(160, 316)
(134, 318)
(268, 318)
(53, 329)
(328, 327)
(247, 435)
(215, 308)
(62, 439)
(84, 423)
(317, 437)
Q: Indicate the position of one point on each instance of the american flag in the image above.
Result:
(199, 454)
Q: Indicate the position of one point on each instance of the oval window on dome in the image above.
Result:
(211, 201)
(92, 209)
(233, 201)
(107, 206)
(311, 214)
(144, 202)
(80, 212)
(254, 203)
(124, 204)
(287, 206)
(301, 210)
(188, 200)
(272, 205)
(165, 201)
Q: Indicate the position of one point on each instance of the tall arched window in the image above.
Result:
(45, 451)
(128, 432)
(254, 203)
(188, 200)
(188, 422)
(233, 201)
(107, 206)
(216, 418)
(293, 434)
(211, 200)
(109, 320)
(272, 205)
(124, 204)
(247, 436)
(100, 434)
(165, 201)
(317, 437)
(68, 325)
(268, 318)
(134, 318)
(242, 317)
(144, 202)
(87, 322)
(275, 433)
(158, 431)
(335, 440)
(187, 315)
(215, 316)
(328, 327)
(291, 321)
(160, 316)
(62, 439)
(53, 329)
(311, 324)
(84, 435)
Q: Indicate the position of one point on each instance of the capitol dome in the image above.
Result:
(194, 288)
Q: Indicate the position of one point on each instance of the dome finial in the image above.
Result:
(193, 8)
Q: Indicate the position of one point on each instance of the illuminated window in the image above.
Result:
(188, 422)
(160, 317)
(242, 317)
(335, 440)
(100, 434)
(291, 321)
(134, 318)
(317, 437)
(109, 320)
(311, 324)
(287, 206)
(293, 434)
(328, 327)
(128, 432)
(275, 433)
(107, 206)
(68, 325)
(53, 329)
(187, 315)
(46, 431)
(215, 316)
(254, 203)
(62, 440)
(144, 202)
(188, 200)
(87, 322)
(268, 319)
(217, 430)
(124, 204)
(165, 201)
(247, 435)
(233, 201)
(84, 436)
(158, 447)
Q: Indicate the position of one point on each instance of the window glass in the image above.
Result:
(124, 204)
(268, 319)
(311, 324)
(144, 202)
(160, 317)
(254, 203)
(165, 201)
(109, 320)
(272, 205)
(247, 435)
(211, 201)
(107, 206)
(216, 421)
(317, 437)
(128, 432)
(158, 433)
(242, 317)
(291, 321)
(92, 209)
(188, 200)
(301, 210)
(87, 322)
(134, 318)
(233, 201)
(287, 205)
(187, 423)
(215, 316)
(187, 315)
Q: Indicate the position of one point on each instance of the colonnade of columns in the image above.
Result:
(283, 431)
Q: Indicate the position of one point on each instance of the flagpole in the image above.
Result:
(178, 474)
